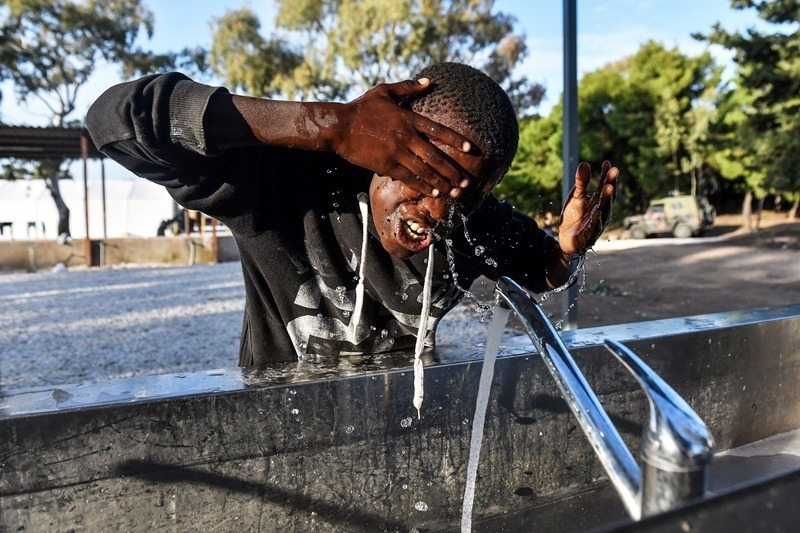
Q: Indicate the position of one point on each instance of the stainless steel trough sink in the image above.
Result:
(339, 447)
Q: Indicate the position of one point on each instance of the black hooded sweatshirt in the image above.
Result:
(296, 220)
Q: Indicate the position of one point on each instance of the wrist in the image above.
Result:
(329, 121)
(563, 269)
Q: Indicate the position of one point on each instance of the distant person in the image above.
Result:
(295, 182)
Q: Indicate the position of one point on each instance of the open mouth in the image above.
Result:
(413, 234)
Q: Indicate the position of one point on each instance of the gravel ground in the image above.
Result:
(92, 324)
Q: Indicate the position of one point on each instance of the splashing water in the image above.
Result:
(579, 269)
(483, 309)
(484, 386)
(466, 231)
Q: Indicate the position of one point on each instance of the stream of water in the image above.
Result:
(496, 329)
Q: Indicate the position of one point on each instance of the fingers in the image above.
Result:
(403, 90)
(582, 177)
(417, 141)
(413, 181)
(443, 134)
(438, 169)
(591, 213)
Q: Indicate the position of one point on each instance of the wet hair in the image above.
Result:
(467, 100)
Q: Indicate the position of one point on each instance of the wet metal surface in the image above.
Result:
(339, 447)
(163, 386)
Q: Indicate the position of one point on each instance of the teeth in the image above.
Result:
(415, 231)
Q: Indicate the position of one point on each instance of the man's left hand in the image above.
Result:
(584, 217)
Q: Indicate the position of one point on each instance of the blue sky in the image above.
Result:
(607, 31)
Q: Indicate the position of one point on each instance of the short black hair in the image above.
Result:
(464, 96)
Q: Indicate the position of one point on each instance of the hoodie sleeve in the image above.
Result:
(154, 127)
(511, 244)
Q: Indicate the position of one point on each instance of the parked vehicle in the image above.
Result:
(681, 216)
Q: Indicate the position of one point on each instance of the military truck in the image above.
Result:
(681, 216)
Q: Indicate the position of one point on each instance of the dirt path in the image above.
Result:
(730, 270)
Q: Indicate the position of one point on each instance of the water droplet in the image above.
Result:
(295, 411)
(292, 392)
(384, 333)
(483, 308)
(421, 506)
(406, 422)
(350, 429)
(335, 204)
(479, 250)
(491, 262)
(340, 291)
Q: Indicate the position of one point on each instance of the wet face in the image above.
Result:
(406, 219)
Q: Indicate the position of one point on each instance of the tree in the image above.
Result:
(768, 76)
(649, 113)
(732, 135)
(532, 184)
(261, 67)
(350, 45)
(50, 48)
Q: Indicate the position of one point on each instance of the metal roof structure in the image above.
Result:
(28, 142)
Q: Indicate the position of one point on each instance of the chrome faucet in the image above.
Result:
(677, 447)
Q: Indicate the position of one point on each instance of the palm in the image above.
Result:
(584, 216)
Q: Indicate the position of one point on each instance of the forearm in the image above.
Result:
(232, 121)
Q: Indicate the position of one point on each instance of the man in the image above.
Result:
(293, 181)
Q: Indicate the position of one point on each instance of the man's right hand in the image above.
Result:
(374, 132)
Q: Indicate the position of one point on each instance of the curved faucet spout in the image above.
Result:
(676, 446)
(615, 457)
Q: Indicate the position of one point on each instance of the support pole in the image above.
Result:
(103, 183)
(569, 298)
(87, 243)
(214, 241)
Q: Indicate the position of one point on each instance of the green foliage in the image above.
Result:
(532, 184)
(649, 114)
(248, 61)
(349, 46)
(51, 47)
(762, 130)
(664, 124)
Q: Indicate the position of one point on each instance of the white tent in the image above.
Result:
(134, 208)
